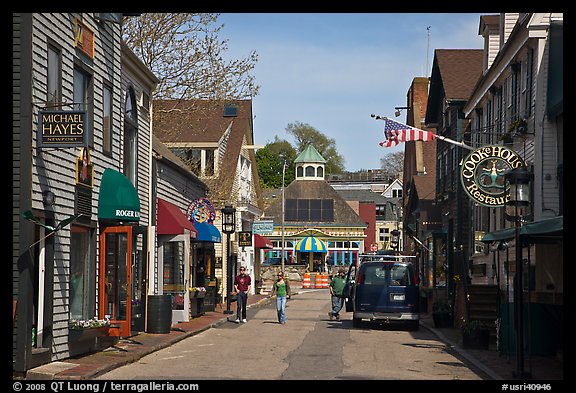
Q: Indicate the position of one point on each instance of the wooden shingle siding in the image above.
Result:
(54, 168)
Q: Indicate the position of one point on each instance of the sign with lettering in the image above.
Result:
(245, 239)
(83, 38)
(263, 227)
(61, 129)
(482, 174)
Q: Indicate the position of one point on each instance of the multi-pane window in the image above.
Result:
(82, 302)
(130, 136)
(83, 99)
(107, 120)
(529, 76)
(54, 81)
(202, 162)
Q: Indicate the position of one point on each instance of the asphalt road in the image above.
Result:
(308, 347)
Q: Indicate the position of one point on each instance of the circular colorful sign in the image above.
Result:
(201, 210)
(482, 174)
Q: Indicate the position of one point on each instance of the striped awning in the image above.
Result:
(311, 244)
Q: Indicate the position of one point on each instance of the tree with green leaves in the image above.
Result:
(270, 160)
(305, 135)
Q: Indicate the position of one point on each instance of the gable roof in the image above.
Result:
(161, 152)
(204, 123)
(454, 76)
(344, 215)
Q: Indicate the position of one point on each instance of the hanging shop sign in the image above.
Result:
(83, 38)
(263, 227)
(482, 174)
(245, 239)
(61, 129)
(84, 169)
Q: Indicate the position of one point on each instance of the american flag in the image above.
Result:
(395, 133)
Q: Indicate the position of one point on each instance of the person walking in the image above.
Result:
(242, 284)
(337, 292)
(281, 288)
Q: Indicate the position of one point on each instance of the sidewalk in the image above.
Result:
(127, 351)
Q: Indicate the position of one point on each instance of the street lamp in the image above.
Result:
(283, 207)
(395, 239)
(228, 227)
(519, 180)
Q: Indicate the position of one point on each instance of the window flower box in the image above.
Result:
(197, 292)
(84, 334)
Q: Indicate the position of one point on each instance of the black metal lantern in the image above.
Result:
(228, 227)
(228, 219)
(519, 195)
(395, 239)
(519, 181)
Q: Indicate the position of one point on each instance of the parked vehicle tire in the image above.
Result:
(356, 322)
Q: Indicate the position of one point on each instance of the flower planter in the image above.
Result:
(198, 294)
(87, 334)
(476, 339)
(196, 307)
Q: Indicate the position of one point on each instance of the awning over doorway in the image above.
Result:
(262, 242)
(171, 220)
(551, 227)
(207, 232)
(311, 244)
(118, 199)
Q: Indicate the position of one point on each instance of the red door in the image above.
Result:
(115, 298)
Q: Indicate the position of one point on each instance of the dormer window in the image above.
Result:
(230, 110)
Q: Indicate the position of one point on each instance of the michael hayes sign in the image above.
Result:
(61, 129)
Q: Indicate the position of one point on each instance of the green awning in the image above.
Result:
(501, 234)
(118, 199)
(550, 227)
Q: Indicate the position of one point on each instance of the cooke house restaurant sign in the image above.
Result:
(61, 129)
(482, 174)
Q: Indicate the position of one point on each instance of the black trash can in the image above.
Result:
(159, 314)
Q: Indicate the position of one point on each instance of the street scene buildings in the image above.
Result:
(136, 213)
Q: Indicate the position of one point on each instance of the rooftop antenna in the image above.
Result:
(427, 49)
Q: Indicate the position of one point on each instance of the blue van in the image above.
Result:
(383, 288)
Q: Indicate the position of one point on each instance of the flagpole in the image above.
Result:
(443, 138)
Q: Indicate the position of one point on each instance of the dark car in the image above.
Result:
(383, 288)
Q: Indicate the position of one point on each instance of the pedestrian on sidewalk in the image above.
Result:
(337, 293)
(242, 284)
(281, 288)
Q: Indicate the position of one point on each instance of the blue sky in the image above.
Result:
(333, 70)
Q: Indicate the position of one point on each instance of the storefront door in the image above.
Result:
(139, 278)
(116, 279)
(174, 261)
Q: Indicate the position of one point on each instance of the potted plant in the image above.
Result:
(506, 138)
(475, 334)
(84, 329)
(197, 292)
(518, 126)
(442, 313)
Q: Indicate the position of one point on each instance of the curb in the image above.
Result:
(488, 371)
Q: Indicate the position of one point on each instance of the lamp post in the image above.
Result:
(395, 239)
(519, 181)
(228, 227)
(283, 207)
